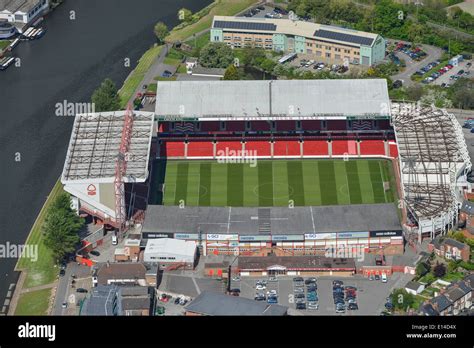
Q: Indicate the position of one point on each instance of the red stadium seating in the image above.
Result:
(286, 148)
(315, 148)
(372, 147)
(172, 149)
(311, 125)
(200, 149)
(258, 148)
(260, 126)
(393, 150)
(235, 126)
(224, 147)
(209, 126)
(344, 147)
(336, 125)
(286, 126)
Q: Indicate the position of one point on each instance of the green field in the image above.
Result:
(273, 183)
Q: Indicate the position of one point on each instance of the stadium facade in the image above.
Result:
(339, 119)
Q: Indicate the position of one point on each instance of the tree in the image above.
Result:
(251, 55)
(414, 92)
(184, 15)
(216, 55)
(106, 98)
(452, 266)
(439, 270)
(161, 31)
(232, 73)
(421, 269)
(268, 65)
(60, 228)
(401, 299)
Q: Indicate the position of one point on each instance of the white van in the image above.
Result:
(384, 278)
(114, 240)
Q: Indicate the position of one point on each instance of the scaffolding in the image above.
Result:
(432, 155)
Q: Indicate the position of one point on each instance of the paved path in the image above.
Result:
(156, 69)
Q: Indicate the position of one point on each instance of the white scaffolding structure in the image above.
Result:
(433, 160)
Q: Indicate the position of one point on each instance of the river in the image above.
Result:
(68, 63)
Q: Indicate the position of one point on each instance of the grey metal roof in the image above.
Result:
(441, 303)
(351, 38)
(298, 220)
(428, 310)
(100, 301)
(454, 243)
(467, 207)
(413, 285)
(95, 143)
(245, 25)
(273, 99)
(212, 303)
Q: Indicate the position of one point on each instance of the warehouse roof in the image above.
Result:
(278, 220)
(95, 144)
(212, 303)
(170, 246)
(272, 99)
(348, 37)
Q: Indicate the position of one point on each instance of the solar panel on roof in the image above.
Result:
(333, 35)
(244, 25)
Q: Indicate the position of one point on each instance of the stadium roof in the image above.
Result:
(95, 143)
(293, 263)
(348, 37)
(432, 153)
(277, 220)
(213, 303)
(275, 99)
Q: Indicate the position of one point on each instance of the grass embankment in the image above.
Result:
(44, 270)
(34, 303)
(217, 8)
(4, 43)
(135, 78)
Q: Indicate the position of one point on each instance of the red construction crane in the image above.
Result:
(121, 170)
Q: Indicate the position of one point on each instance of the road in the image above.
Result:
(67, 64)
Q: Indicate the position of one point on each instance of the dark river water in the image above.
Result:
(68, 63)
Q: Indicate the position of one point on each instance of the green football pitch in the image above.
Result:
(272, 183)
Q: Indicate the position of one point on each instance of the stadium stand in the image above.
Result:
(285, 126)
(260, 126)
(286, 148)
(172, 149)
(344, 147)
(200, 149)
(224, 147)
(210, 126)
(315, 148)
(235, 126)
(311, 125)
(260, 148)
(393, 149)
(337, 125)
(372, 148)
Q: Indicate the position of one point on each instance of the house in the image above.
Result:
(213, 303)
(113, 300)
(414, 287)
(169, 252)
(459, 294)
(466, 217)
(121, 273)
(427, 309)
(441, 304)
(22, 11)
(450, 249)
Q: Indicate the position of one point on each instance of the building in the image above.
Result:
(414, 288)
(22, 11)
(315, 230)
(212, 303)
(7, 30)
(113, 198)
(295, 266)
(450, 249)
(323, 42)
(171, 252)
(459, 294)
(121, 273)
(112, 300)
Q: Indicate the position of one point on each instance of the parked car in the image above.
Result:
(397, 84)
(176, 301)
(377, 277)
(166, 73)
(312, 305)
(352, 307)
(384, 278)
(260, 296)
(371, 277)
(81, 290)
(260, 287)
(62, 272)
(301, 306)
(94, 253)
(64, 305)
(298, 290)
(236, 279)
(272, 279)
(299, 295)
(272, 299)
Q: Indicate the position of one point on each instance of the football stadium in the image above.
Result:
(287, 167)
